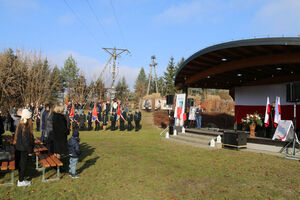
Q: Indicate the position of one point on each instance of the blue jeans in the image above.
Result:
(198, 120)
(72, 165)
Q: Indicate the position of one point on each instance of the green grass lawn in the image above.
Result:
(139, 165)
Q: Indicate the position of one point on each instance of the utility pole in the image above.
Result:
(114, 54)
(152, 65)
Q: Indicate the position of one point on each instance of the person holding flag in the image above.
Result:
(95, 115)
(269, 119)
(98, 121)
(72, 113)
(74, 119)
(123, 118)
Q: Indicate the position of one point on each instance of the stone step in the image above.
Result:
(196, 140)
(200, 136)
(203, 131)
(180, 141)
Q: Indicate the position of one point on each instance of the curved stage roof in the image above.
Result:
(242, 63)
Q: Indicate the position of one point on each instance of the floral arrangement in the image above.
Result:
(252, 118)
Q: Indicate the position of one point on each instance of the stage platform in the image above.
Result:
(201, 138)
(215, 132)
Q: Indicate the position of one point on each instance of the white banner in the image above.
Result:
(179, 108)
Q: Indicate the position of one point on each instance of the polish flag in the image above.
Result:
(72, 114)
(277, 116)
(267, 114)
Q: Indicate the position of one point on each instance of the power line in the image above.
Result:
(99, 22)
(82, 23)
(119, 27)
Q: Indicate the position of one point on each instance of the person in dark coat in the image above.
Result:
(91, 105)
(137, 118)
(74, 152)
(69, 107)
(82, 119)
(99, 106)
(44, 115)
(89, 120)
(24, 143)
(123, 119)
(97, 122)
(15, 121)
(129, 120)
(75, 122)
(104, 120)
(107, 108)
(60, 133)
(38, 120)
(113, 119)
(7, 121)
(68, 121)
(49, 134)
(2, 130)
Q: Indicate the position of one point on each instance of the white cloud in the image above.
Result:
(92, 67)
(181, 13)
(278, 17)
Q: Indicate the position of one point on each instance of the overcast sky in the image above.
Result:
(164, 28)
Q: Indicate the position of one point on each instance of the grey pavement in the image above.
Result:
(202, 141)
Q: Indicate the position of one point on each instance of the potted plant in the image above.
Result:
(252, 120)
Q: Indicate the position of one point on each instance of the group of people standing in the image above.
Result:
(55, 130)
(56, 123)
(101, 113)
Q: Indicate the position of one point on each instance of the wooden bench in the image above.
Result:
(46, 160)
(9, 166)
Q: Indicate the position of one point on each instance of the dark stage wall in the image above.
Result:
(287, 112)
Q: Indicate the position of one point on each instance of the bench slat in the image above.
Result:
(12, 165)
(43, 160)
(56, 160)
(4, 165)
(50, 161)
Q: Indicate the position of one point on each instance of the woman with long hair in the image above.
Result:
(24, 143)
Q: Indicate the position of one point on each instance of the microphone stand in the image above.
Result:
(294, 140)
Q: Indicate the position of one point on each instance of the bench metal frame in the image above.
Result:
(43, 169)
(11, 179)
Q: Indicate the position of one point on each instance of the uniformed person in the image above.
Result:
(129, 120)
(113, 119)
(89, 120)
(104, 120)
(82, 119)
(137, 118)
(123, 119)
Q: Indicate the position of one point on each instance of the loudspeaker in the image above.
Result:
(293, 92)
(235, 138)
(190, 102)
(170, 99)
(171, 130)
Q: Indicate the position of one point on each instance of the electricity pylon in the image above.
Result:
(114, 54)
(152, 65)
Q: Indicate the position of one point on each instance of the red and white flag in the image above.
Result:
(267, 114)
(277, 116)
